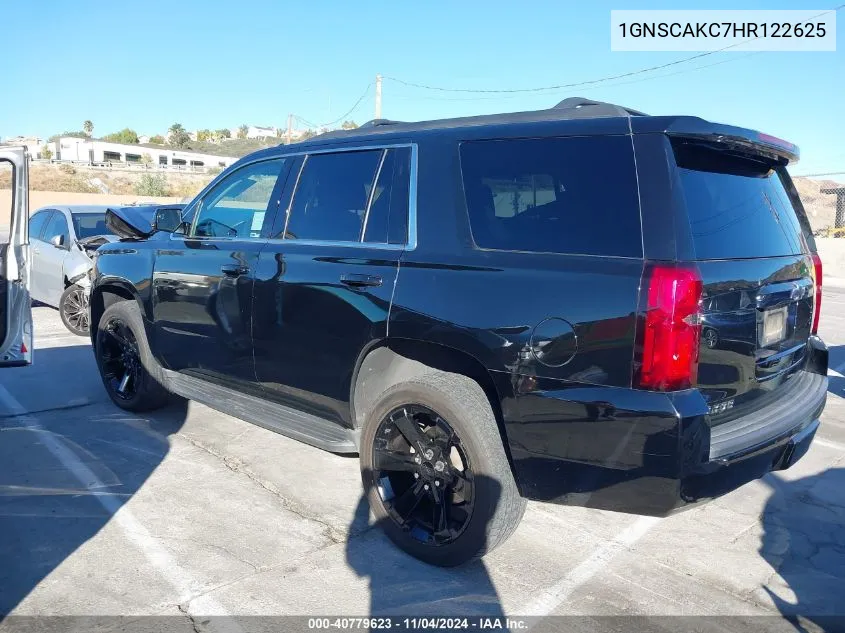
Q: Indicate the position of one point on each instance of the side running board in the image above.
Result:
(293, 423)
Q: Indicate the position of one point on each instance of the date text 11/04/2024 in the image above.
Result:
(420, 623)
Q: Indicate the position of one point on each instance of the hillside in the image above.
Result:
(226, 147)
(820, 207)
(83, 179)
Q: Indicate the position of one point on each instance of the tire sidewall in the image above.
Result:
(144, 396)
(487, 487)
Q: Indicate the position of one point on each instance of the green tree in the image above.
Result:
(88, 128)
(348, 125)
(152, 185)
(46, 153)
(146, 159)
(243, 131)
(224, 132)
(204, 136)
(56, 137)
(124, 136)
(158, 139)
(178, 136)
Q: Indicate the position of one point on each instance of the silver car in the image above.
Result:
(61, 242)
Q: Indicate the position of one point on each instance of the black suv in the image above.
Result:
(583, 305)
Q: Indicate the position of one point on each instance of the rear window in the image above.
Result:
(738, 206)
(575, 195)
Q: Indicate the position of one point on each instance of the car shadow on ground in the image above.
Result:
(836, 384)
(401, 585)
(64, 472)
(803, 541)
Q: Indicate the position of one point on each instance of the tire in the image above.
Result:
(144, 389)
(73, 308)
(461, 405)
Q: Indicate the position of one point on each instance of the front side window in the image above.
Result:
(57, 225)
(36, 224)
(574, 195)
(332, 195)
(238, 204)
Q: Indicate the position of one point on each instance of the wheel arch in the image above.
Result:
(107, 294)
(396, 360)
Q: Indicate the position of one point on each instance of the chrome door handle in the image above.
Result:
(357, 280)
(234, 270)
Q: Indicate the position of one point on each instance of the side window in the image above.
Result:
(36, 224)
(57, 225)
(237, 206)
(387, 220)
(331, 198)
(575, 195)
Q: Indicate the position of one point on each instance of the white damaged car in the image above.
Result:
(63, 240)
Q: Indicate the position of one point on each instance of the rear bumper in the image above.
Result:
(651, 453)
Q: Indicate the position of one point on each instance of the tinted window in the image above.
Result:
(737, 206)
(89, 225)
(57, 225)
(36, 224)
(237, 205)
(387, 220)
(332, 195)
(557, 195)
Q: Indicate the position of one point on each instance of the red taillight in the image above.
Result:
(817, 307)
(669, 331)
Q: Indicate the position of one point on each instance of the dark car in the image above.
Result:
(489, 310)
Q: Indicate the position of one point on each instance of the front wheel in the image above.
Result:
(130, 374)
(73, 308)
(435, 471)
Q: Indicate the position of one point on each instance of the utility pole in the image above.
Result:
(378, 96)
(290, 129)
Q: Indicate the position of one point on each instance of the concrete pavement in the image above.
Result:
(189, 512)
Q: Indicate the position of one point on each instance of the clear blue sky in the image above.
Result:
(214, 64)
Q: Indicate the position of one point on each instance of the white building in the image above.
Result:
(32, 142)
(91, 151)
(256, 131)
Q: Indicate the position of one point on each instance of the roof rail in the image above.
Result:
(589, 108)
(378, 122)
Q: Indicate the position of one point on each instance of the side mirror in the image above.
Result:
(58, 241)
(169, 220)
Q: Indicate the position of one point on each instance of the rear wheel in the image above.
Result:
(73, 308)
(130, 374)
(435, 471)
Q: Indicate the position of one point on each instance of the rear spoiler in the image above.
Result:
(729, 136)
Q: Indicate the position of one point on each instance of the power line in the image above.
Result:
(340, 118)
(621, 83)
(829, 173)
(592, 81)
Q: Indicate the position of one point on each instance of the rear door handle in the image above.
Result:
(357, 280)
(234, 270)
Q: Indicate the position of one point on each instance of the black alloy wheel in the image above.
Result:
(120, 359)
(422, 474)
(74, 310)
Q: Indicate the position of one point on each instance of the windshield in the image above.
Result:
(89, 225)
